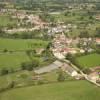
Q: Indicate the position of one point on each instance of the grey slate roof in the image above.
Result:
(55, 65)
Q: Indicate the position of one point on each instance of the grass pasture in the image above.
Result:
(13, 60)
(70, 90)
(18, 46)
(88, 61)
(21, 44)
(6, 79)
(5, 20)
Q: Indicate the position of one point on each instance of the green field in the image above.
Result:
(6, 79)
(18, 46)
(21, 44)
(13, 60)
(5, 20)
(70, 90)
(88, 61)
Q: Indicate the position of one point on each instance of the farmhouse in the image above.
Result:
(58, 55)
(39, 50)
(98, 41)
(98, 17)
(68, 69)
(93, 76)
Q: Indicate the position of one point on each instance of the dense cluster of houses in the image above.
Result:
(30, 18)
(63, 45)
(61, 27)
(3, 11)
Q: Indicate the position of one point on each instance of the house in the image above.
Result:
(39, 50)
(97, 69)
(59, 55)
(70, 70)
(97, 17)
(94, 76)
(98, 41)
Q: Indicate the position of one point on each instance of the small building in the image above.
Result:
(70, 70)
(39, 50)
(94, 76)
(98, 41)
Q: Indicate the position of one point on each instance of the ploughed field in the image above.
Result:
(69, 90)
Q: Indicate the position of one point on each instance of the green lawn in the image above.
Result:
(70, 90)
(88, 61)
(21, 44)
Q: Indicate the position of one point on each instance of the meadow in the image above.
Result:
(26, 77)
(21, 44)
(16, 51)
(13, 60)
(88, 61)
(5, 20)
(69, 90)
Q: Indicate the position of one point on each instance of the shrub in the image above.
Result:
(5, 50)
(61, 76)
(29, 65)
(4, 71)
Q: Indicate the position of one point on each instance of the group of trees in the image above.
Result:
(30, 65)
(61, 76)
(37, 34)
(97, 34)
(24, 66)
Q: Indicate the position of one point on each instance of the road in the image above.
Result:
(85, 75)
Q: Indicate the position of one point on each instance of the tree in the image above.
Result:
(48, 46)
(70, 57)
(27, 66)
(97, 32)
(11, 84)
(61, 76)
(4, 71)
(5, 50)
(30, 65)
(84, 34)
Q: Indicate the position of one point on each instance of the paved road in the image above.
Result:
(85, 75)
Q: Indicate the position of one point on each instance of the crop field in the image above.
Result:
(70, 90)
(88, 61)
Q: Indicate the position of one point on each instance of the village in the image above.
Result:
(62, 45)
(50, 47)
